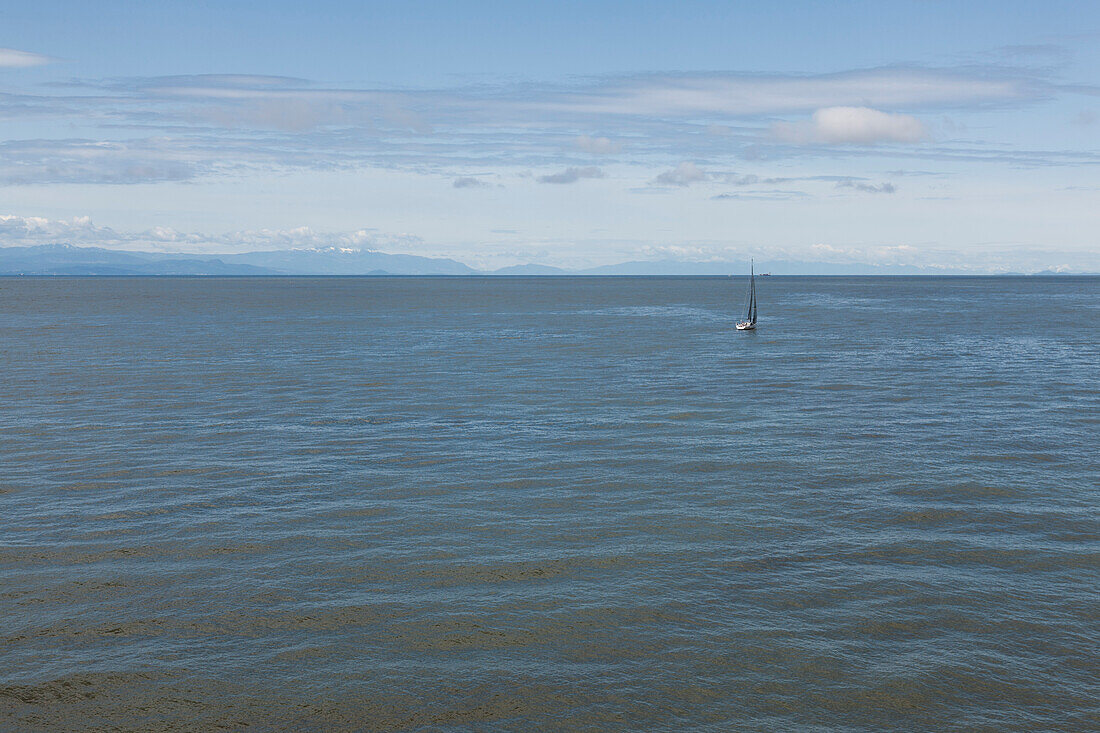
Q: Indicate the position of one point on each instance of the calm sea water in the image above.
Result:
(556, 504)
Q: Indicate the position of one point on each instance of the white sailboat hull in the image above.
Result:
(746, 326)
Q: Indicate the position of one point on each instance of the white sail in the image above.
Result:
(750, 315)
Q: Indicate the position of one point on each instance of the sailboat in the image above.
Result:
(749, 324)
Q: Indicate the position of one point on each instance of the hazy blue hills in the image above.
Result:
(532, 270)
(336, 261)
(65, 259)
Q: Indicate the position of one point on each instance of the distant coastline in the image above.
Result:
(65, 260)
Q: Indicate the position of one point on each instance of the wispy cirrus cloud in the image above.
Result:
(10, 58)
(1035, 57)
(88, 161)
(296, 104)
(251, 101)
(764, 195)
(746, 95)
(206, 84)
(203, 125)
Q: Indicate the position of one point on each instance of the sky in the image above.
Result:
(575, 134)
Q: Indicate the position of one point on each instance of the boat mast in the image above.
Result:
(752, 281)
(750, 316)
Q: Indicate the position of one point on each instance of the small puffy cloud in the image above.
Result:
(12, 59)
(867, 126)
(684, 174)
(885, 187)
(469, 182)
(852, 126)
(596, 145)
(572, 175)
(751, 179)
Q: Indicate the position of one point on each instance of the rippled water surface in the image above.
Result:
(558, 504)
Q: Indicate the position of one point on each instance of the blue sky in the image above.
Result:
(574, 134)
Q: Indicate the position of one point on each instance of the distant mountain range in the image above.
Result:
(66, 259)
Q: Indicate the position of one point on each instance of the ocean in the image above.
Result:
(511, 504)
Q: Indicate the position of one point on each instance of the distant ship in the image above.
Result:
(749, 324)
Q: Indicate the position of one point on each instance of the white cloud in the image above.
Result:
(684, 174)
(894, 254)
(746, 95)
(751, 179)
(297, 105)
(686, 253)
(33, 230)
(852, 125)
(210, 125)
(12, 59)
(469, 182)
(303, 237)
(572, 175)
(884, 187)
(596, 145)
(24, 162)
(25, 230)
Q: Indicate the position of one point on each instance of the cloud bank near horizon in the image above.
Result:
(81, 231)
(17, 231)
